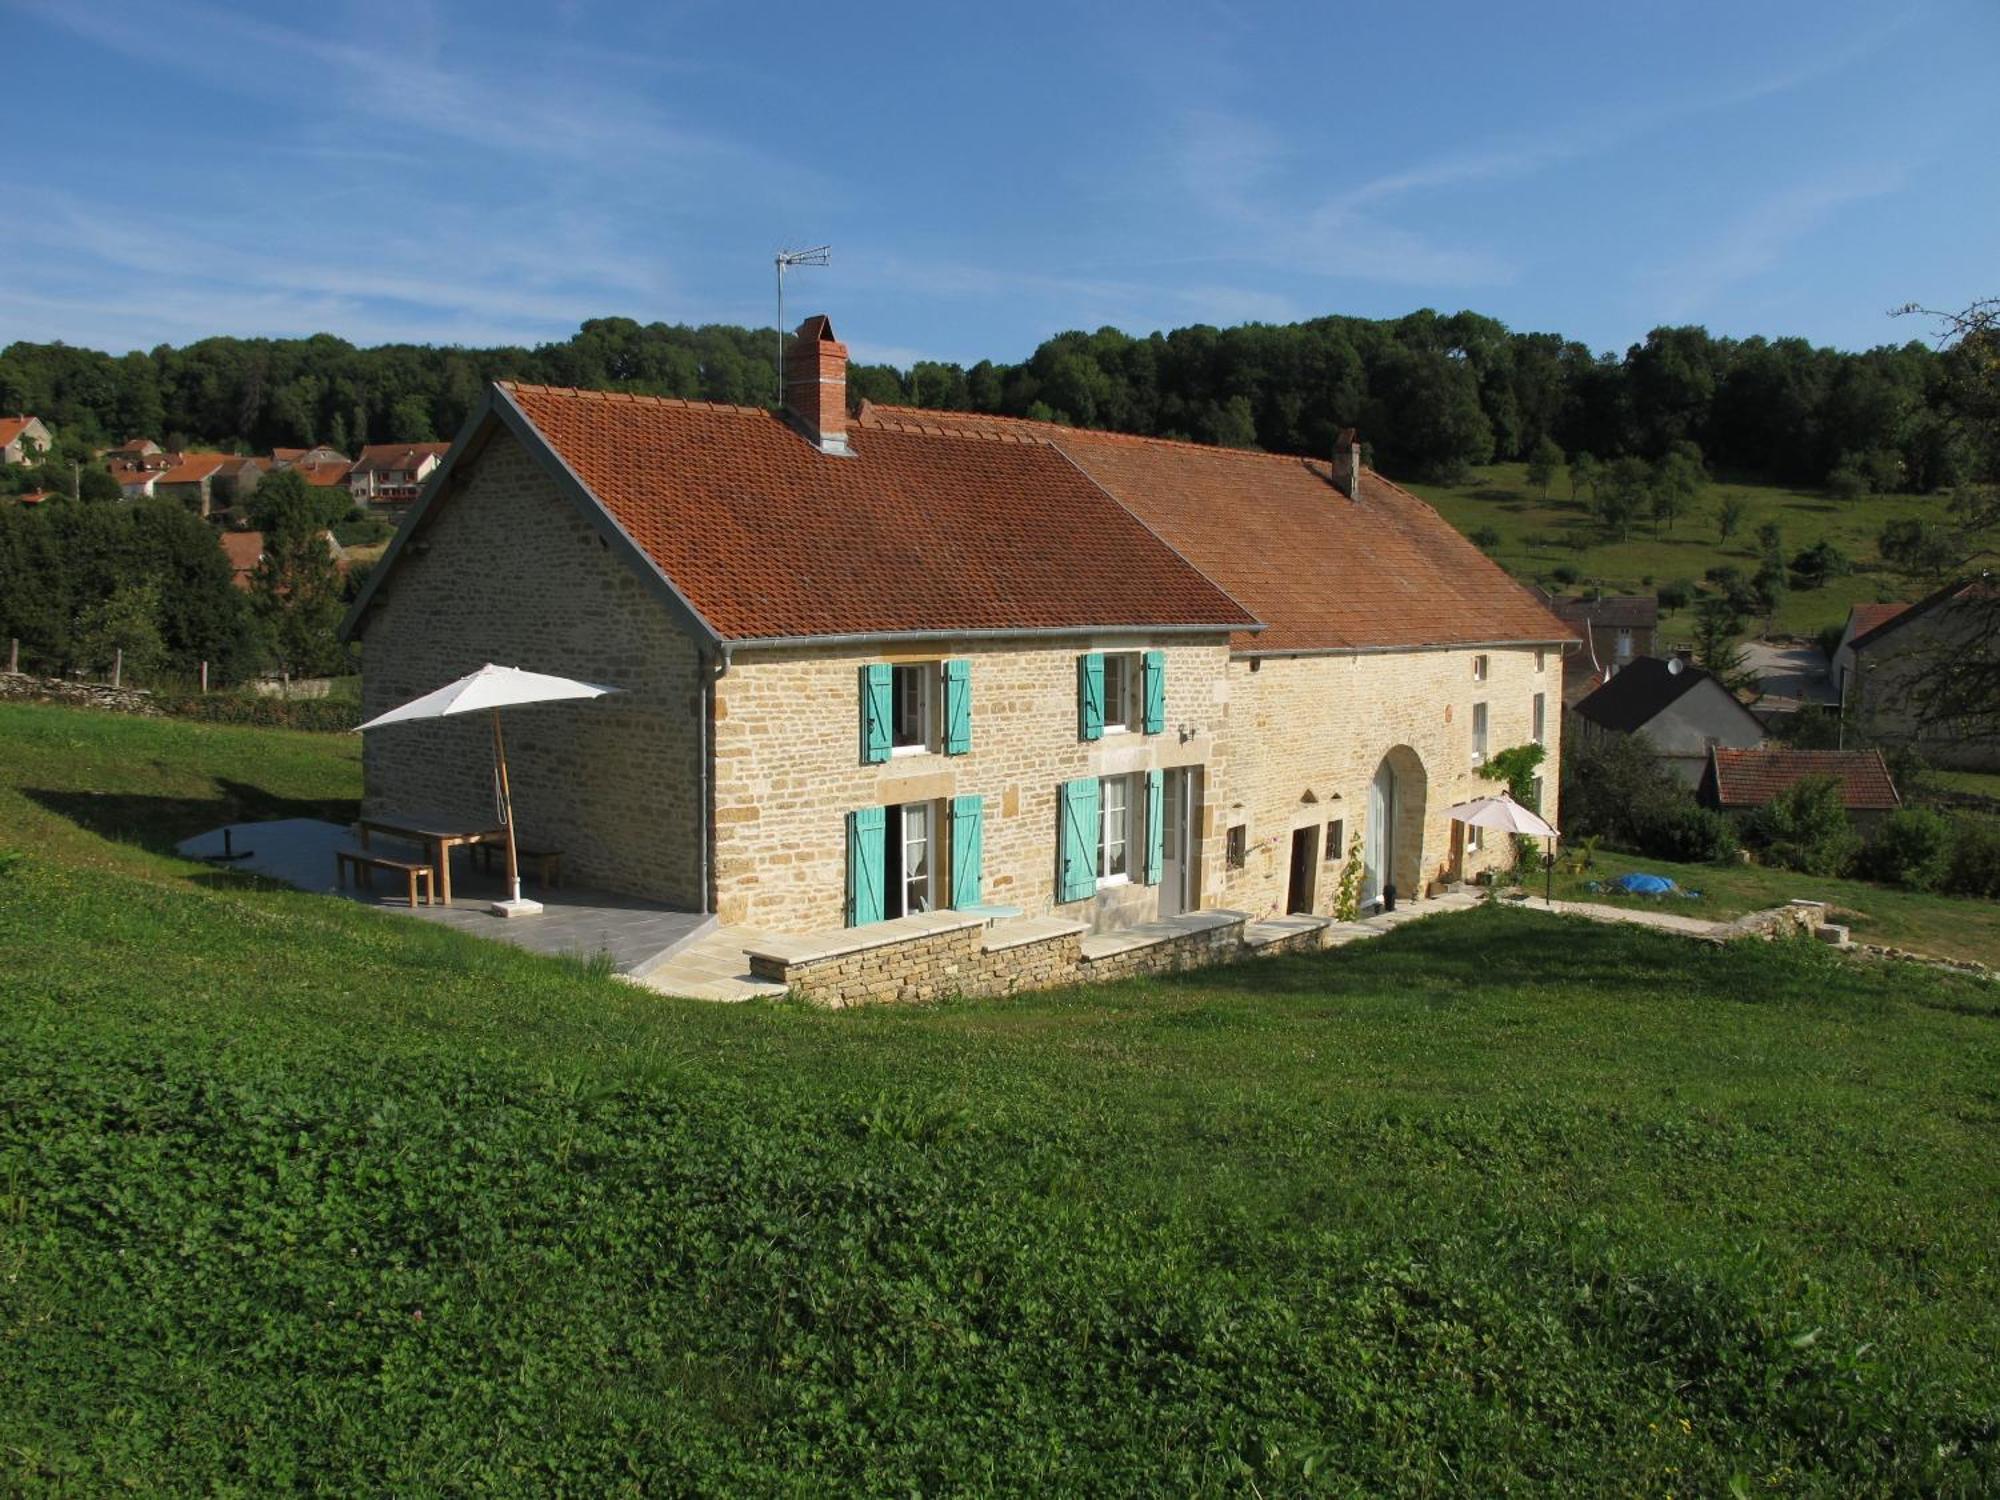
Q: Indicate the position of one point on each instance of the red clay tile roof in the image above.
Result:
(1866, 618)
(1751, 778)
(245, 549)
(1981, 586)
(192, 468)
(324, 475)
(1322, 571)
(12, 427)
(397, 457)
(767, 537)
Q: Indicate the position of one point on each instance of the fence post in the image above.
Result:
(204, 677)
(14, 656)
(117, 666)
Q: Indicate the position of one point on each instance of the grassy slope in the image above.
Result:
(1948, 926)
(295, 1194)
(1501, 497)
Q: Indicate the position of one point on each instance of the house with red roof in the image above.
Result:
(390, 475)
(883, 665)
(1897, 663)
(23, 439)
(1745, 780)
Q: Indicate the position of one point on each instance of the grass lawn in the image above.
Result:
(297, 1195)
(1536, 536)
(1947, 926)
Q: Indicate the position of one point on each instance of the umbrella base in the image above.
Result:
(518, 907)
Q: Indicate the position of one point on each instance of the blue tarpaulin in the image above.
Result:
(1645, 885)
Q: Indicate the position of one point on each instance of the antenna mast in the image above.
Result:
(819, 255)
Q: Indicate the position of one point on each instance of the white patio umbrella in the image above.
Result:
(489, 690)
(1502, 812)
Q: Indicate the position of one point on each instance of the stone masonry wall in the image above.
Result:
(1322, 725)
(509, 571)
(789, 769)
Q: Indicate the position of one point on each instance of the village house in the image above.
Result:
(1683, 712)
(908, 661)
(391, 475)
(1616, 629)
(1738, 781)
(23, 439)
(1890, 660)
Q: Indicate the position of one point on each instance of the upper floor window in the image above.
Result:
(1541, 660)
(1479, 734)
(913, 692)
(1624, 645)
(1479, 669)
(1121, 688)
(1541, 720)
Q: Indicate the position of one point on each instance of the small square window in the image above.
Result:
(1336, 840)
(1237, 847)
(1478, 669)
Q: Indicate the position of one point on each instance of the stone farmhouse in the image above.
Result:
(903, 662)
(23, 439)
(1890, 658)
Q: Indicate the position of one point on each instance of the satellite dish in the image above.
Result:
(1676, 666)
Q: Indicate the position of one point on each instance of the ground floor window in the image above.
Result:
(910, 859)
(1114, 837)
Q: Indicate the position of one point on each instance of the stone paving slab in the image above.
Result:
(714, 967)
(1277, 929)
(1021, 931)
(574, 922)
(1129, 939)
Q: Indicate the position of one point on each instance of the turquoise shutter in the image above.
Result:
(1077, 877)
(866, 835)
(957, 707)
(1090, 695)
(875, 709)
(1156, 782)
(968, 849)
(1155, 675)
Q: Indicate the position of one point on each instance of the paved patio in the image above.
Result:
(639, 936)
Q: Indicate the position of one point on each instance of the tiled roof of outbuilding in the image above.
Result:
(1751, 778)
(1322, 571)
(767, 537)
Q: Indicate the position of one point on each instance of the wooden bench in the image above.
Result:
(546, 863)
(363, 863)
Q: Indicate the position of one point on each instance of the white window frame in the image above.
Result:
(1479, 668)
(1474, 838)
(926, 676)
(896, 832)
(1622, 644)
(1128, 833)
(1122, 710)
(1479, 718)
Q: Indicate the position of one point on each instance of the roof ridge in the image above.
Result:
(637, 398)
(1056, 429)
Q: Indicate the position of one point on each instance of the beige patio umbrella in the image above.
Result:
(1503, 813)
(489, 690)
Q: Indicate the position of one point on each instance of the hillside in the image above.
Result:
(1538, 536)
(301, 1196)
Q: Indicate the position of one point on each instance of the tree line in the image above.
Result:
(1432, 394)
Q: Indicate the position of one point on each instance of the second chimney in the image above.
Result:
(1347, 463)
(816, 384)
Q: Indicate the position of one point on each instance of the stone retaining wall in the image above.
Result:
(76, 694)
(1176, 955)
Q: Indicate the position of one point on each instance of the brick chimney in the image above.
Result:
(1347, 463)
(816, 384)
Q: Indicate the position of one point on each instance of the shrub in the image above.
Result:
(329, 715)
(1814, 565)
(1564, 574)
(1676, 595)
(1686, 832)
(1486, 538)
(1614, 789)
(1974, 866)
(1846, 481)
(1805, 828)
(1911, 847)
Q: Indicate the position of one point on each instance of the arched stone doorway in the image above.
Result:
(1392, 848)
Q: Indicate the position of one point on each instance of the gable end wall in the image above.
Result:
(509, 571)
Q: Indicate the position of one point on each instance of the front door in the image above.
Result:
(1305, 863)
(1378, 844)
(1177, 843)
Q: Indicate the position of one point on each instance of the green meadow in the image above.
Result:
(297, 1196)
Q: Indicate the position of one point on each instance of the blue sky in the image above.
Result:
(494, 172)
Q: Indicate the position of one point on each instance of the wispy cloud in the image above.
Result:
(1758, 240)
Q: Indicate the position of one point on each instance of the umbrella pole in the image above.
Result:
(506, 809)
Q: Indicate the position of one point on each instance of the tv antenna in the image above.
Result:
(819, 255)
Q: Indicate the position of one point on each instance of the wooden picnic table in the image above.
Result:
(437, 832)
